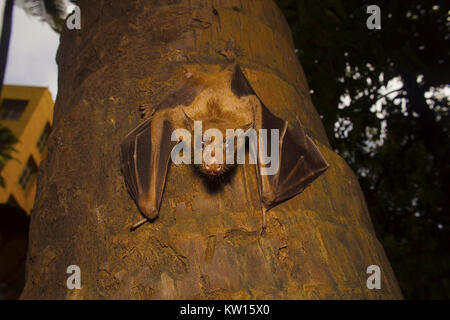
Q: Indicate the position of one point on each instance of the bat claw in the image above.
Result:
(138, 224)
(232, 51)
(263, 231)
(148, 211)
(146, 110)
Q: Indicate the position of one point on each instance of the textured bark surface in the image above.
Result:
(206, 243)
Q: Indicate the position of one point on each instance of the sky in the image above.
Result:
(32, 51)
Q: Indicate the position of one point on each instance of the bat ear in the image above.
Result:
(242, 133)
(239, 83)
(189, 121)
(247, 126)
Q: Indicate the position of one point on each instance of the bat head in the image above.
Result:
(214, 152)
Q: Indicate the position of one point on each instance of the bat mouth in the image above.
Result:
(213, 169)
(215, 173)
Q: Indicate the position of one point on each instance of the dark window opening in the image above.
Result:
(12, 109)
(28, 173)
(42, 142)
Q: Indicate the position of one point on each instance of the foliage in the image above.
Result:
(52, 12)
(397, 143)
(7, 142)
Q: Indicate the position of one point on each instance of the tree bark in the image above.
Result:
(204, 244)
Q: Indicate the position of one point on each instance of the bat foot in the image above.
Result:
(232, 51)
(146, 110)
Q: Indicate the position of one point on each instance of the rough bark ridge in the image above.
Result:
(206, 243)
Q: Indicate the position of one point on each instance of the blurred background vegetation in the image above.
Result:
(383, 96)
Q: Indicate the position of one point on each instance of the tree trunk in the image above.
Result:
(203, 245)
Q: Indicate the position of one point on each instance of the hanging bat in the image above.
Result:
(222, 100)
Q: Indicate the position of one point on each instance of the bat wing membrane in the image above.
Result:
(300, 162)
(145, 152)
(130, 162)
(144, 163)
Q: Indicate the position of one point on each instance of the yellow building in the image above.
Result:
(28, 113)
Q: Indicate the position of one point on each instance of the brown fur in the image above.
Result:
(216, 117)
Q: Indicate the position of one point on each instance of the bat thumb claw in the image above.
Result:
(138, 224)
(263, 231)
(148, 211)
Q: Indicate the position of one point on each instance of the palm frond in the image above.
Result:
(52, 12)
(7, 142)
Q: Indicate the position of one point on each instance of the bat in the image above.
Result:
(220, 100)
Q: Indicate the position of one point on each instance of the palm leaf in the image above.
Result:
(52, 12)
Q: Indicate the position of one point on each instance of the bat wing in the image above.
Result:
(299, 161)
(145, 152)
(145, 155)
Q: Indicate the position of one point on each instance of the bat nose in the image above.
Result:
(213, 168)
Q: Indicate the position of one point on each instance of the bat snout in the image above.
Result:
(213, 169)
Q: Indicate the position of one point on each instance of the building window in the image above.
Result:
(28, 173)
(42, 142)
(12, 109)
